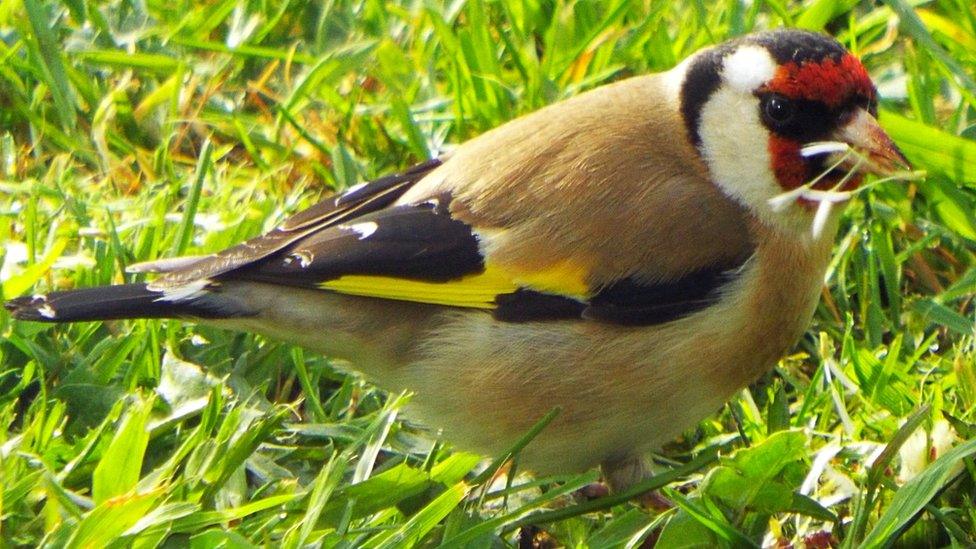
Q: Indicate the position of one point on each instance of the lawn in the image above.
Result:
(131, 131)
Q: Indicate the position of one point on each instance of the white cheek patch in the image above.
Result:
(735, 145)
(747, 68)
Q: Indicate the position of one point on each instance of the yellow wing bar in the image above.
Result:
(476, 291)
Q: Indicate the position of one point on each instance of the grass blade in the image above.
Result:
(911, 498)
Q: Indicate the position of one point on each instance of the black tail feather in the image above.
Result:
(115, 303)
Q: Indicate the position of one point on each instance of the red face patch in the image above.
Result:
(788, 165)
(832, 82)
(792, 170)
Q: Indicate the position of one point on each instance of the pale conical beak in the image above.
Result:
(878, 153)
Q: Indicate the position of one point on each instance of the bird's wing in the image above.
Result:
(422, 253)
(592, 208)
(364, 243)
(416, 252)
(357, 201)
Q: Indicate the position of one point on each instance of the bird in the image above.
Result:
(632, 256)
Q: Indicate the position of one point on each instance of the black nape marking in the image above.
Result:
(626, 302)
(702, 79)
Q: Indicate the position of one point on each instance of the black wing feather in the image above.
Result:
(634, 303)
(371, 197)
(120, 302)
(417, 242)
(627, 302)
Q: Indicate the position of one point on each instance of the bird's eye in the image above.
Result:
(778, 109)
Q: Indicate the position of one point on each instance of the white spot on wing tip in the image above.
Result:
(304, 258)
(187, 291)
(46, 311)
(348, 192)
(364, 229)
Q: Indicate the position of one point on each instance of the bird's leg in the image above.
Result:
(622, 474)
(618, 475)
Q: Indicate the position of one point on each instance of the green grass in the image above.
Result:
(136, 130)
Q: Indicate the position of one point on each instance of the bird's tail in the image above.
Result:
(123, 301)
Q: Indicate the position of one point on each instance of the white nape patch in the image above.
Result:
(364, 230)
(187, 291)
(748, 68)
(674, 79)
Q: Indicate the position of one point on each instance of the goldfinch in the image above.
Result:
(634, 255)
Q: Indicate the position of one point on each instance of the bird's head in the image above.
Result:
(781, 118)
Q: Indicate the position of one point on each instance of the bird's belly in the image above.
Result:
(619, 392)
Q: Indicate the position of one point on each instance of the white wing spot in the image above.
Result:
(46, 311)
(348, 192)
(364, 230)
(187, 291)
(304, 258)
